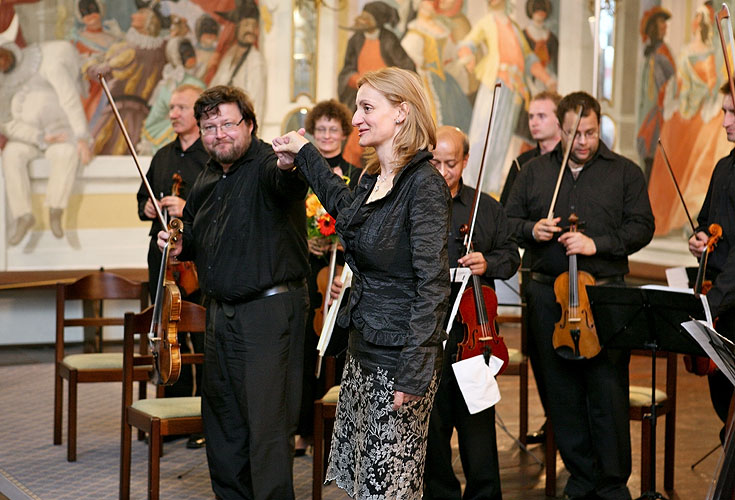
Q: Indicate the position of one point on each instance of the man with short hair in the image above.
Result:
(178, 163)
(495, 255)
(587, 400)
(245, 228)
(546, 131)
(719, 208)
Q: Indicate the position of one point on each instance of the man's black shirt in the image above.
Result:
(719, 208)
(170, 160)
(609, 197)
(246, 229)
(492, 235)
(515, 168)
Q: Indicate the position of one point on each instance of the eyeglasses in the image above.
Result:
(588, 135)
(226, 127)
(324, 130)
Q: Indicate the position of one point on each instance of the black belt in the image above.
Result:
(547, 279)
(287, 286)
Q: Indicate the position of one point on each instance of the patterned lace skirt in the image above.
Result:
(378, 453)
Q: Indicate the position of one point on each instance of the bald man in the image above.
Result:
(495, 256)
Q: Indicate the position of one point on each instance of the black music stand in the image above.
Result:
(645, 318)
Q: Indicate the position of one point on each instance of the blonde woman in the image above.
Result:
(394, 231)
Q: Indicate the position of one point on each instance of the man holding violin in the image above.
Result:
(719, 208)
(495, 255)
(587, 400)
(245, 228)
(172, 173)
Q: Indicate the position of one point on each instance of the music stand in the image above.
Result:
(645, 318)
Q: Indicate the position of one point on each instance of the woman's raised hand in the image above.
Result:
(287, 146)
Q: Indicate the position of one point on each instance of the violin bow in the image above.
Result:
(676, 185)
(567, 152)
(724, 13)
(131, 148)
(173, 224)
(481, 173)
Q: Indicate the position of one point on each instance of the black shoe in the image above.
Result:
(196, 441)
(299, 452)
(537, 437)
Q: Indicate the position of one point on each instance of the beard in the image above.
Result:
(227, 156)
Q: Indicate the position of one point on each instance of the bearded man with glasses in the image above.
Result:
(587, 400)
(245, 228)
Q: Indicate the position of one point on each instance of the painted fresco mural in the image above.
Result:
(459, 49)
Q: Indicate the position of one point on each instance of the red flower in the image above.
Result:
(326, 225)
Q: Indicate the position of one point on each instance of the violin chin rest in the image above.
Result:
(567, 352)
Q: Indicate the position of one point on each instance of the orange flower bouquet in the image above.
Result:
(319, 224)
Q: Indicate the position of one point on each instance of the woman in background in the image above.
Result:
(394, 231)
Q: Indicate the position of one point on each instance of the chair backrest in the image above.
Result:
(192, 319)
(97, 286)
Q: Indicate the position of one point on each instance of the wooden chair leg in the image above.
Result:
(523, 403)
(154, 459)
(58, 406)
(645, 455)
(125, 453)
(71, 452)
(318, 460)
(550, 461)
(669, 450)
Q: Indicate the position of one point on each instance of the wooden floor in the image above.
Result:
(522, 478)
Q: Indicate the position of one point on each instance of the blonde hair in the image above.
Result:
(418, 131)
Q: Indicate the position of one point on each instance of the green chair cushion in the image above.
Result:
(94, 361)
(514, 356)
(332, 395)
(164, 408)
(640, 395)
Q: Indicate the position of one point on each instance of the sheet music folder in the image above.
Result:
(635, 318)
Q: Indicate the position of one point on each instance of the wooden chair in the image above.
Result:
(88, 367)
(158, 416)
(640, 410)
(518, 365)
(325, 411)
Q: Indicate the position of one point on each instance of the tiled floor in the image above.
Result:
(522, 478)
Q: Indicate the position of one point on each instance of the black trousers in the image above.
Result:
(251, 391)
(478, 449)
(588, 403)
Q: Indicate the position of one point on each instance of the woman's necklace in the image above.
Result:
(382, 183)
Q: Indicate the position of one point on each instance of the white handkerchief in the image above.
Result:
(477, 382)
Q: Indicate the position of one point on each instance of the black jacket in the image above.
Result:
(397, 249)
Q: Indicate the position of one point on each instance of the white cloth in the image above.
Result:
(250, 77)
(477, 382)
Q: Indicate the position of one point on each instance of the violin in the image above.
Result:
(703, 365)
(184, 274)
(324, 279)
(478, 306)
(575, 335)
(478, 309)
(163, 339)
(702, 286)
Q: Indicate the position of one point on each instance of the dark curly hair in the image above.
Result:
(571, 101)
(211, 98)
(331, 109)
